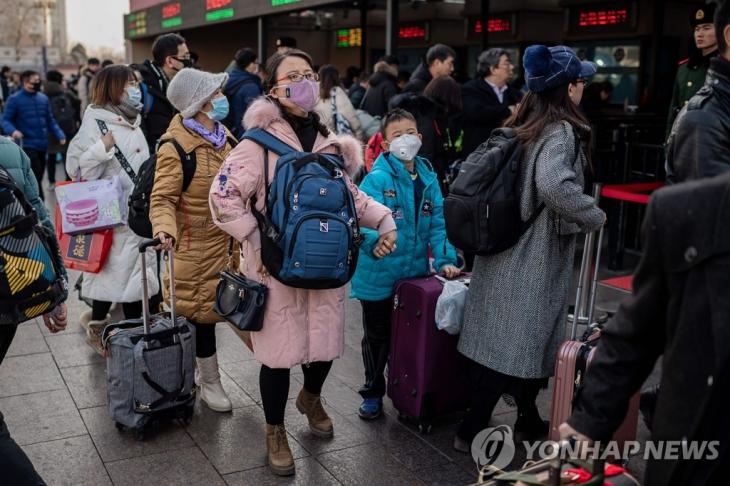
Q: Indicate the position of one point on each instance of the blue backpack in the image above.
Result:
(310, 236)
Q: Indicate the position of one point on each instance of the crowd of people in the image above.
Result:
(517, 303)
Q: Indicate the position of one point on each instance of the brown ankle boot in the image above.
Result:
(281, 461)
(311, 405)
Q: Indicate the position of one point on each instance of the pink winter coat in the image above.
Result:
(300, 325)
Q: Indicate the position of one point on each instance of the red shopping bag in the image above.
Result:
(86, 252)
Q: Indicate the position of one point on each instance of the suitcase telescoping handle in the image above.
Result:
(584, 306)
(145, 290)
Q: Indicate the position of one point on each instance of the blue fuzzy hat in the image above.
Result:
(547, 68)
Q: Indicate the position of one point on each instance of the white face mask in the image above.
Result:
(405, 147)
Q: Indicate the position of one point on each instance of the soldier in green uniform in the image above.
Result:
(692, 71)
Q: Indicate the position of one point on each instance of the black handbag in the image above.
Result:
(240, 300)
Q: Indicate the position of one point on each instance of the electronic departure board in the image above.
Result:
(603, 17)
(185, 14)
(349, 37)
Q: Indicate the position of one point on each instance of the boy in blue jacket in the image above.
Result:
(408, 185)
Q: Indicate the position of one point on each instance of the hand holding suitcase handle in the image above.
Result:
(145, 291)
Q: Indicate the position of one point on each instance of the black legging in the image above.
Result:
(274, 385)
(204, 340)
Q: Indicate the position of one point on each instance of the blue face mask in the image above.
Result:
(134, 95)
(220, 108)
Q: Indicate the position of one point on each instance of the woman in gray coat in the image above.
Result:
(515, 314)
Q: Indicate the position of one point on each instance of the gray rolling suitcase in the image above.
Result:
(150, 363)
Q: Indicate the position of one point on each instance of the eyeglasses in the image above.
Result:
(582, 80)
(296, 77)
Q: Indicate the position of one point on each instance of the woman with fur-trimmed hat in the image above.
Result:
(301, 326)
(181, 217)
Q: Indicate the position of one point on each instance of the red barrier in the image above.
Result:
(630, 192)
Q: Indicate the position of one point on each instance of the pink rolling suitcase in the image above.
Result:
(574, 356)
(425, 371)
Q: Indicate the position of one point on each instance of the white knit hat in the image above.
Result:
(190, 89)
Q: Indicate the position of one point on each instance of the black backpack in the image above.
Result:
(139, 200)
(482, 210)
(65, 114)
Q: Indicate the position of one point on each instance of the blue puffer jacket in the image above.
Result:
(31, 114)
(241, 89)
(17, 164)
(390, 184)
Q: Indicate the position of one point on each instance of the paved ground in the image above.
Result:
(52, 393)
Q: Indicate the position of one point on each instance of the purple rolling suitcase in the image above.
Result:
(425, 371)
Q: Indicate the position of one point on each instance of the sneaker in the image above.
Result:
(371, 408)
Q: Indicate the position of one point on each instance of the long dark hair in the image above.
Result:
(272, 66)
(537, 110)
(329, 77)
(445, 91)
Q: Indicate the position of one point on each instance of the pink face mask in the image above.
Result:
(304, 93)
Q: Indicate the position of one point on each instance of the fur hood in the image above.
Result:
(264, 113)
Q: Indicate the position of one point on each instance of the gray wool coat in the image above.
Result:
(515, 312)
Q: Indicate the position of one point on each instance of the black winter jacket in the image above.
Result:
(419, 80)
(680, 308)
(699, 143)
(158, 112)
(383, 86)
(483, 112)
(437, 129)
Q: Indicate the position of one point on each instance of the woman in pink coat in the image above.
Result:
(301, 326)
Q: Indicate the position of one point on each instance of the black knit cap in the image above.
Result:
(702, 15)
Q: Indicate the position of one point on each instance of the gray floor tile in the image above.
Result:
(367, 465)
(309, 472)
(236, 441)
(446, 475)
(339, 396)
(181, 467)
(29, 374)
(407, 446)
(87, 384)
(67, 462)
(239, 398)
(230, 347)
(28, 340)
(246, 375)
(114, 445)
(40, 417)
(346, 434)
(72, 350)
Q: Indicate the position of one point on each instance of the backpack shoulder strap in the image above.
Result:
(267, 141)
(187, 160)
(189, 163)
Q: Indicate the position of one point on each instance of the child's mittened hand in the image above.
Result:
(450, 271)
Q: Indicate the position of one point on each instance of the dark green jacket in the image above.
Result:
(690, 78)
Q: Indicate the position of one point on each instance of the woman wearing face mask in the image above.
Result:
(115, 100)
(301, 326)
(181, 217)
(514, 319)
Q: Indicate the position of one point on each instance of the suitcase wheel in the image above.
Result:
(119, 426)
